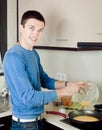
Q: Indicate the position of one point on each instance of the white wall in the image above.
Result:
(78, 65)
(11, 22)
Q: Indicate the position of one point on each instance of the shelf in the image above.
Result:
(69, 48)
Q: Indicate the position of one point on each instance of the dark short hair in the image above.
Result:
(32, 14)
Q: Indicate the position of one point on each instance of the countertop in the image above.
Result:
(7, 113)
(53, 119)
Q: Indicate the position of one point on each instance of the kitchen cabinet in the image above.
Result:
(3, 27)
(75, 20)
(5, 123)
(8, 25)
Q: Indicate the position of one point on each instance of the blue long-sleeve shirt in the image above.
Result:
(25, 77)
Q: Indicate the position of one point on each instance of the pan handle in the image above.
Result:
(56, 113)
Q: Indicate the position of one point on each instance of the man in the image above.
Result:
(25, 76)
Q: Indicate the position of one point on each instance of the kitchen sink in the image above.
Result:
(4, 104)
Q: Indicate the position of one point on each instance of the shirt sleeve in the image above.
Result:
(19, 84)
(46, 81)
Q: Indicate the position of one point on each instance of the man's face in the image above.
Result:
(31, 32)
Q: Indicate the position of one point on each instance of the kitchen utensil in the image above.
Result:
(56, 113)
(88, 95)
(85, 124)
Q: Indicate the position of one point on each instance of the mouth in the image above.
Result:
(33, 39)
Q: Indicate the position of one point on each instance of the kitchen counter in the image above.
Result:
(50, 118)
(7, 113)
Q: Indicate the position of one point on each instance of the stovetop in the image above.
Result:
(82, 127)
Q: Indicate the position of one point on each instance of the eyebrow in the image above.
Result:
(35, 26)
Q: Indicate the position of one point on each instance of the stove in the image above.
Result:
(82, 127)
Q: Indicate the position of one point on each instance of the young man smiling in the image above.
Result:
(25, 76)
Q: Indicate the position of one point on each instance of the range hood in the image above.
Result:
(89, 44)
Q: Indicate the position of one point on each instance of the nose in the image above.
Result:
(35, 33)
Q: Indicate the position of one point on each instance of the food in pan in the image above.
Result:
(86, 118)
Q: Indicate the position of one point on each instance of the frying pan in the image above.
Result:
(85, 124)
(96, 125)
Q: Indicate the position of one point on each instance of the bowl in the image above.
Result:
(88, 96)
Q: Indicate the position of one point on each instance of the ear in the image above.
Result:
(20, 28)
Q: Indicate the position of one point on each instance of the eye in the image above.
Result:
(31, 28)
(40, 30)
